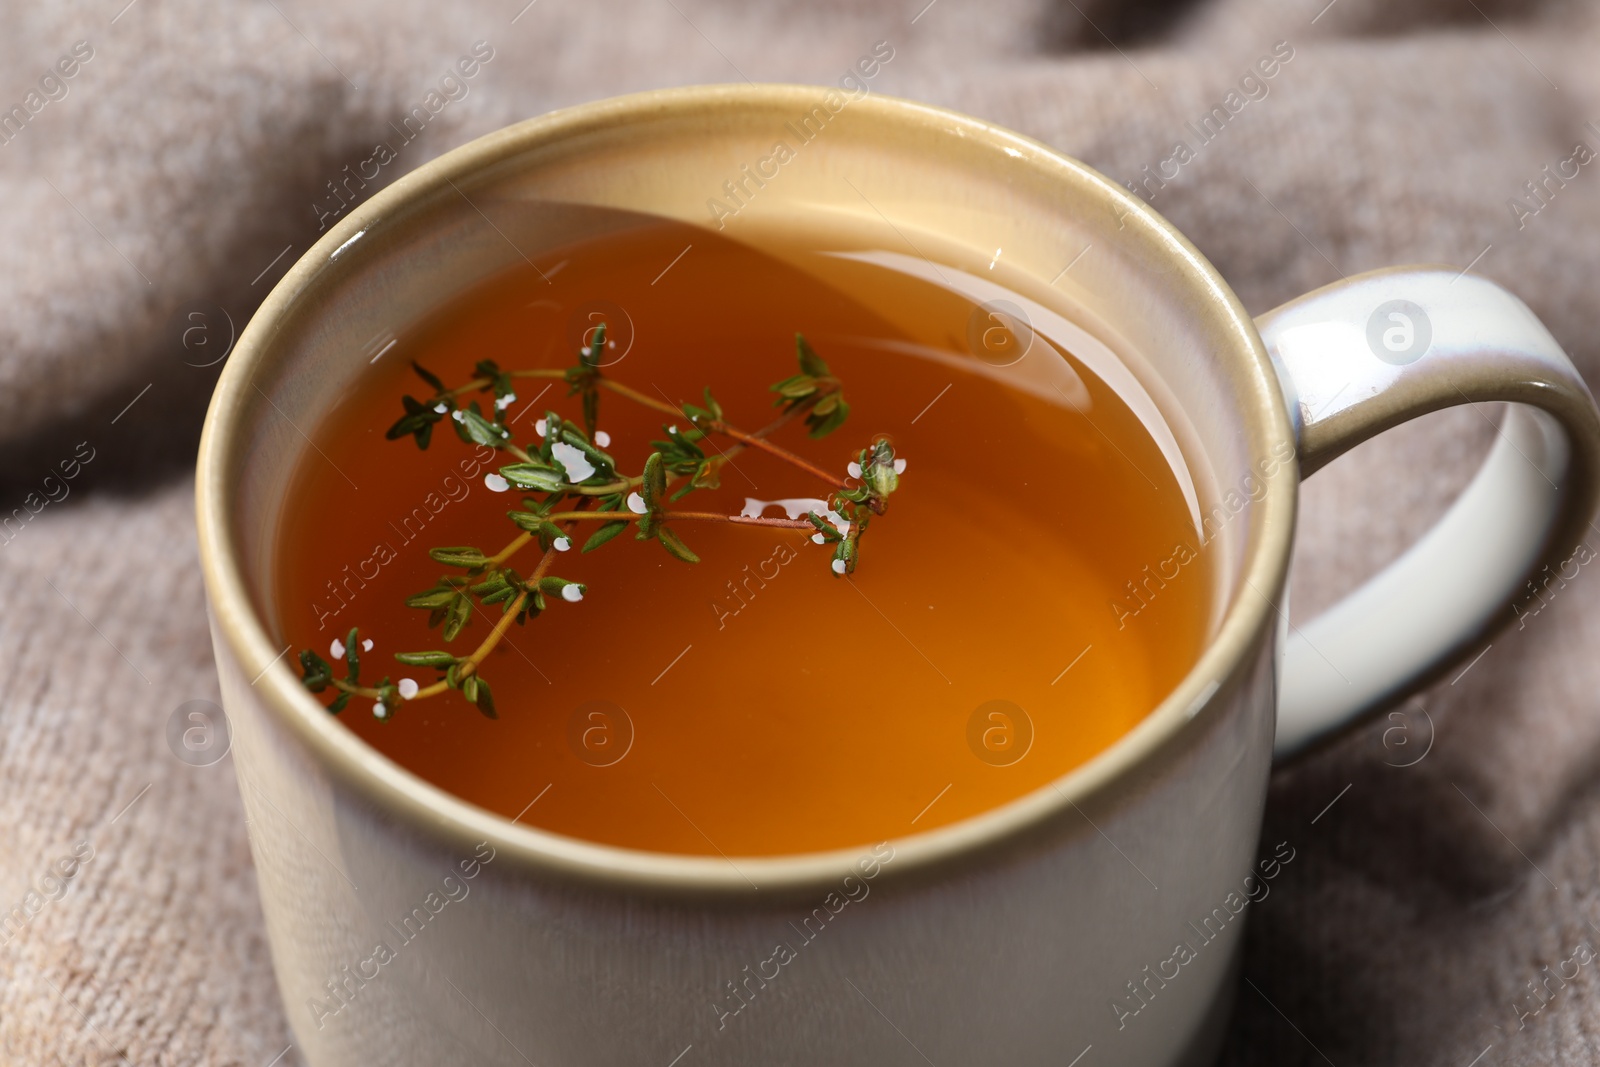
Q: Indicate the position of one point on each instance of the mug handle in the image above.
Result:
(1367, 353)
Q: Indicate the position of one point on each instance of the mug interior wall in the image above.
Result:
(877, 173)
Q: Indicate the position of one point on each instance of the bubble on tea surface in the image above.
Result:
(200, 333)
(999, 333)
(600, 732)
(999, 732)
(1399, 332)
(585, 321)
(198, 733)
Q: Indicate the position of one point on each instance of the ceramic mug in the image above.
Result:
(1100, 915)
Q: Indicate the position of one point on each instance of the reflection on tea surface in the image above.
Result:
(757, 702)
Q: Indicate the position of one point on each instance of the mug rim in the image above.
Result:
(1106, 778)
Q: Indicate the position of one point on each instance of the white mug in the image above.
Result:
(1097, 917)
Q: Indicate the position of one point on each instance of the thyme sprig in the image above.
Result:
(571, 479)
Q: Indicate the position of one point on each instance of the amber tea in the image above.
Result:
(719, 549)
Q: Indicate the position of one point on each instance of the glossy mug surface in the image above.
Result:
(1103, 910)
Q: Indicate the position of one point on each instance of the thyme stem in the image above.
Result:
(751, 440)
(469, 665)
(694, 516)
(513, 548)
(719, 426)
(814, 394)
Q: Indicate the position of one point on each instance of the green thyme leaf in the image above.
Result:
(459, 612)
(462, 556)
(603, 534)
(684, 490)
(437, 597)
(540, 507)
(484, 698)
(428, 376)
(534, 476)
(406, 426)
(676, 547)
(713, 408)
(810, 362)
(604, 466)
(877, 470)
(680, 451)
(495, 582)
(549, 533)
(829, 532)
(352, 655)
(655, 482)
(340, 702)
(425, 659)
(823, 424)
(859, 495)
(526, 520)
(589, 356)
(801, 385)
(846, 552)
(477, 430)
(552, 434)
(712, 412)
(417, 422)
(816, 386)
(315, 671)
(558, 586)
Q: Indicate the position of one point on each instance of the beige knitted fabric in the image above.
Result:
(176, 172)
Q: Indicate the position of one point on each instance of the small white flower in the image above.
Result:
(602, 438)
(408, 687)
(337, 649)
(458, 415)
(562, 544)
(572, 458)
(441, 407)
(794, 507)
(495, 483)
(673, 428)
(838, 566)
(854, 469)
(819, 539)
(899, 466)
(541, 426)
(636, 504)
(503, 402)
(571, 593)
(379, 711)
(366, 645)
